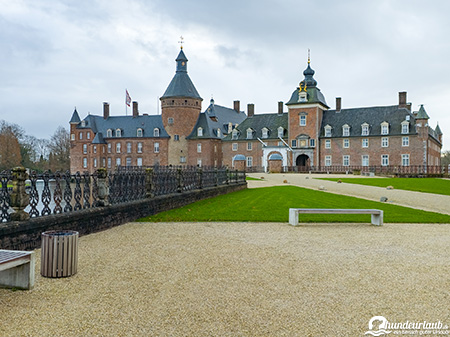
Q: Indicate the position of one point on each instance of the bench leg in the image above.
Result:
(377, 219)
(293, 218)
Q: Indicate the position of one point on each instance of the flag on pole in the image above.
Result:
(128, 98)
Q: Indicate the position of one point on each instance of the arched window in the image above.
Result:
(118, 133)
(109, 133)
(328, 130)
(249, 133)
(280, 132)
(139, 132)
(155, 132)
(345, 130)
(200, 132)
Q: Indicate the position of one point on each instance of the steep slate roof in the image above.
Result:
(222, 116)
(422, 114)
(128, 125)
(438, 130)
(373, 116)
(75, 117)
(181, 85)
(98, 139)
(258, 122)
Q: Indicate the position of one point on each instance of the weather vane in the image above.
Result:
(181, 41)
(309, 58)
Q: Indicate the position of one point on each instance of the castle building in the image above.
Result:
(308, 134)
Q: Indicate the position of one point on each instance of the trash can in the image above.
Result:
(59, 253)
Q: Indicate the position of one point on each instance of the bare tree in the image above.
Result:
(59, 147)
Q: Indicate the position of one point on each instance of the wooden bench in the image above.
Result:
(376, 214)
(17, 269)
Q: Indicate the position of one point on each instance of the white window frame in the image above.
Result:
(139, 132)
(328, 143)
(302, 121)
(108, 133)
(182, 159)
(139, 161)
(405, 127)
(385, 128)
(234, 146)
(384, 141)
(85, 148)
(249, 146)
(72, 136)
(156, 147)
(364, 129)
(345, 130)
(280, 132)
(109, 147)
(155, 132)
(200, 132)
(118, 162)
(365, 160)
(328, 161)
(139, 147)
(118, 133)
(129, 145)
(384, 160)
(328, 130)
(405, 141)
(312, 142)
(249, 133)
(405, 159)
(346, 143)
(199, 148)
(84, 162)
(346, 160)
(365, 142)
(264, 132)
(219, 133)
(249, 161)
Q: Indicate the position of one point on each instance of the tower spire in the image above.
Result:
(309, 56)
(181, 41)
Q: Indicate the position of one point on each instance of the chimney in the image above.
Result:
(250, 109)
(338, 104)
(135, 109)
(237, 106)
(105, 110)
(280, 108)
(402, 99)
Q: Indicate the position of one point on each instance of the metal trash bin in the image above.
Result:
(59, 253)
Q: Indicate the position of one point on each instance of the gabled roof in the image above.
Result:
(216, 117)
(181, 85)
(98, 139)
(438, 130)
(257, 122)
(127, 124)
(374, 116)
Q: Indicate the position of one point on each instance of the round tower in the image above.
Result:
(181, 105)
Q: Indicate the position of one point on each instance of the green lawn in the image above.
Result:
(427, 185)
(251, 178)
(271, 204)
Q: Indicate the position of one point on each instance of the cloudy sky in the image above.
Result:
(55, 55)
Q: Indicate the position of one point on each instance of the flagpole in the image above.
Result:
(126, 105)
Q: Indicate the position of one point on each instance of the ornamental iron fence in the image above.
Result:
(24, 196)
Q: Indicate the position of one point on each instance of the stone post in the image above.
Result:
(149, 182)
(228, 177)
(19, 198)
(216, 177)
(200, 178)
(180, 180)
(103, 187)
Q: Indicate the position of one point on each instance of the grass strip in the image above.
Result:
(271, 204)
(427, 185)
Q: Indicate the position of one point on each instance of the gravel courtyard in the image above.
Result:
(239, 279)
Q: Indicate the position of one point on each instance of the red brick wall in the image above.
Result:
(211, 152)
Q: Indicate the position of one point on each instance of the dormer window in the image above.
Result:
(364, 129)
(265, 133)
(328, 130)
(83, 124)
(249, 133)
(109, 133)
(280, 132)
(405, 127)
(345, 130)
(302, 96)
(200, 132)
(234, 134)
(230, 127)
(155, 132)
(385, 128)
(118, 133)
(139, 132)
(219, 133)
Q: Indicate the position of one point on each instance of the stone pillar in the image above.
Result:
(103, 187)
(149, 182)
(200, 178)
(19, 198)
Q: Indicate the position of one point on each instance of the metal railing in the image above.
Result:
(24, 196)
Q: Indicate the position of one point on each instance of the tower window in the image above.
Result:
(170, 120)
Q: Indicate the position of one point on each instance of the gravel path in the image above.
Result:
(425, 201)
(239, 279)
